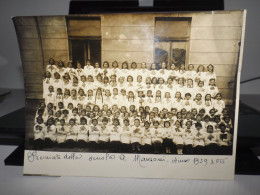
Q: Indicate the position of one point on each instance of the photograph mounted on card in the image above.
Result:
(152, 94)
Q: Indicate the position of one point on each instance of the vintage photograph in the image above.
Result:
(131, 83)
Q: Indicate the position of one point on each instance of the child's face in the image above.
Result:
(81, 92)
(73, 92)
(158, 93)
(74, 112)
(169, 81)
(49, 122)
(147, 125)
(98, 92)
(198, 128)
(180, 81)
(131, 94)
(140, 94)
(83, 79)
(194, 111)
(107, 93)
(210, 68)
(217, 119)
(90, 93)
(167, 95)
(218, 97)
(212, 82)
(198, 96)
(161, 81)
(78, 65)
(188, 124)
(133, 65)
(212, 112)
(143, 65)
(210, 129)
(99, 78)
(201, 83)
(121, 80)
(206, 119)
(51, 89)
(105, 65)
(154, 81)
(139, 79)
(66, 76)
(115, 65)
(149, 93)
(113, 78)
(174, 112)
(57, 76)
(129, 79)
(132, 108)
(172, 67)
(83, 112)
(227, 119)
(153, 66)
(124, 66)
(104, 122)
(39, 120)
(152, 115)
(115, 91)
(222, 129)
(163, 65)
(187, 97)
(50, 112)
(177, 95)
(156, 125)
(106, 80)
(94, 122)
(201, 68)
(208, 97)
(148, 80)
(83, 122)
(123, 92)
(135, 114)
(161, 115)
(189, 82)
(88, 108)
(62, 122)
(167, 125)
(90, 79)
(96, 65)
(191, 67)
(177, 124)
(66, 92)
(137, 123)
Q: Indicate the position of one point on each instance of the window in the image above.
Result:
(84, 39)
(171, 41)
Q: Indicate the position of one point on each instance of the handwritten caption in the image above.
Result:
(139, 159)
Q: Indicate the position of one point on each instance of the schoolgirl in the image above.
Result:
(114, 97)
(190, 72)
(178, 101)
(60, 67)
(224, 141)
(201, 75)
(125, 136)
(167, 137)
(133, 70)
(124, 71)
(198, 102)
(219, 104)
(47, 81)
(90, 98)
(153, 70)
(212, 89)
(115, 135)
(147, 138)
(211, 146)
(61, 133)
(188, 138)
(97, 70)
(50, 96)
(51, 67)
(210, 74)
(38, 132)
(79, 71)
(157, 137)
(187, 102)
(104, 136)
(199, 137)
(122, 98)
(88, 68)
(136, 136)
(94, 132)
(99, 98)
(57, 82)
(50, 132)
(82, 133)
(177, 134)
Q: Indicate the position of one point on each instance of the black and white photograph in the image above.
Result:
(161, 84)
